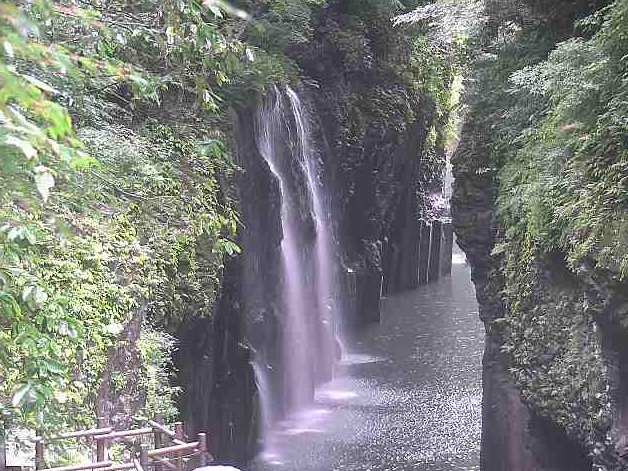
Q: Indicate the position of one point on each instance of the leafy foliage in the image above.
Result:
(571, 158)
(115, 169)
(547, 128)
(123, 208)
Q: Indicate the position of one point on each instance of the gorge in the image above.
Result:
(295, 224)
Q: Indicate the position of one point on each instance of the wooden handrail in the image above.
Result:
(125, 433)
(81, 467)
(180, 434)
(173, 449)
(166, 463)
(78, 434)
(196, 451)
(167, 431)
(161, 428)
(120, 466)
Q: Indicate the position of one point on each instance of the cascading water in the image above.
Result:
(324, 236)
(298, 352)
(263, 388)
(309, 337)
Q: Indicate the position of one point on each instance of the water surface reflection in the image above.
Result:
(409, 394)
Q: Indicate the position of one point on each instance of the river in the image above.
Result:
(407, 397)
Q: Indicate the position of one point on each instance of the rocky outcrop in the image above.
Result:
(234, 410)
(248, 318)
(553, 368)
(195, 372)
(369, 137)
(514, 435)
(221, 391)
(472, 207)
(377, 160)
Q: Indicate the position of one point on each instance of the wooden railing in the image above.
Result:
(177, 456)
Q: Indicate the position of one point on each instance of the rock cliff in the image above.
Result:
(554, 362)
(370, 137)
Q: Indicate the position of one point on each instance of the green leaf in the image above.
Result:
(19, 394)
(39, 84)
(26, 292)
(83, 161)
(24, 146)
(44, 181)
(231, 247)
(8, 48)
(114, 329)
(39, 296)
(215, 10)
(28, 235)
(14, 233)
(54, 367)
(500, 249)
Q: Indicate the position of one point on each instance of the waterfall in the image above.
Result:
(324, 236)
(272, 126)
(261, 380)
(310, 348)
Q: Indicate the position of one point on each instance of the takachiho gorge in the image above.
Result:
(314, 235)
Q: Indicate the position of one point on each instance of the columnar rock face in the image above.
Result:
(502, 411)
(436, 245)
(369, 135)
(221, 390)
(424, 252)
(514, 436)
(447, 249)
(194, 364)
(378, 162)
(554, 374)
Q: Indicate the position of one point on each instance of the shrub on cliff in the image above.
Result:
(131, 221)
(547, 126)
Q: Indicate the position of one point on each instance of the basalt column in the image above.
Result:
(307, 303)
(435, 251)
(424, 252)
(513, 437)
(376, 129)
(246, 323)
(447, 249)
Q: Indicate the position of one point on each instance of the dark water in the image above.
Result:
(407, 398)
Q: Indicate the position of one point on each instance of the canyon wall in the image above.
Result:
(369, 137)
(554, 363)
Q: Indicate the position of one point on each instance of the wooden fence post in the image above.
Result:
(202, 449)
(144, 456)
(157, 438)
(178, 432)
(39, 451)
(101, 445)
(4, 421)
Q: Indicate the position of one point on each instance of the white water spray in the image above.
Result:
(298, 345)
(324, 236)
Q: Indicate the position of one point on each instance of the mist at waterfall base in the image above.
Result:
(311, 339)
(409, 395)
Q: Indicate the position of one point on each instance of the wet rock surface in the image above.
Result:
(407, 398)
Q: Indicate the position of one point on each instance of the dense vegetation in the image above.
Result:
(117, 198)
(547, 126)
(118, 205)
(110, 114)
